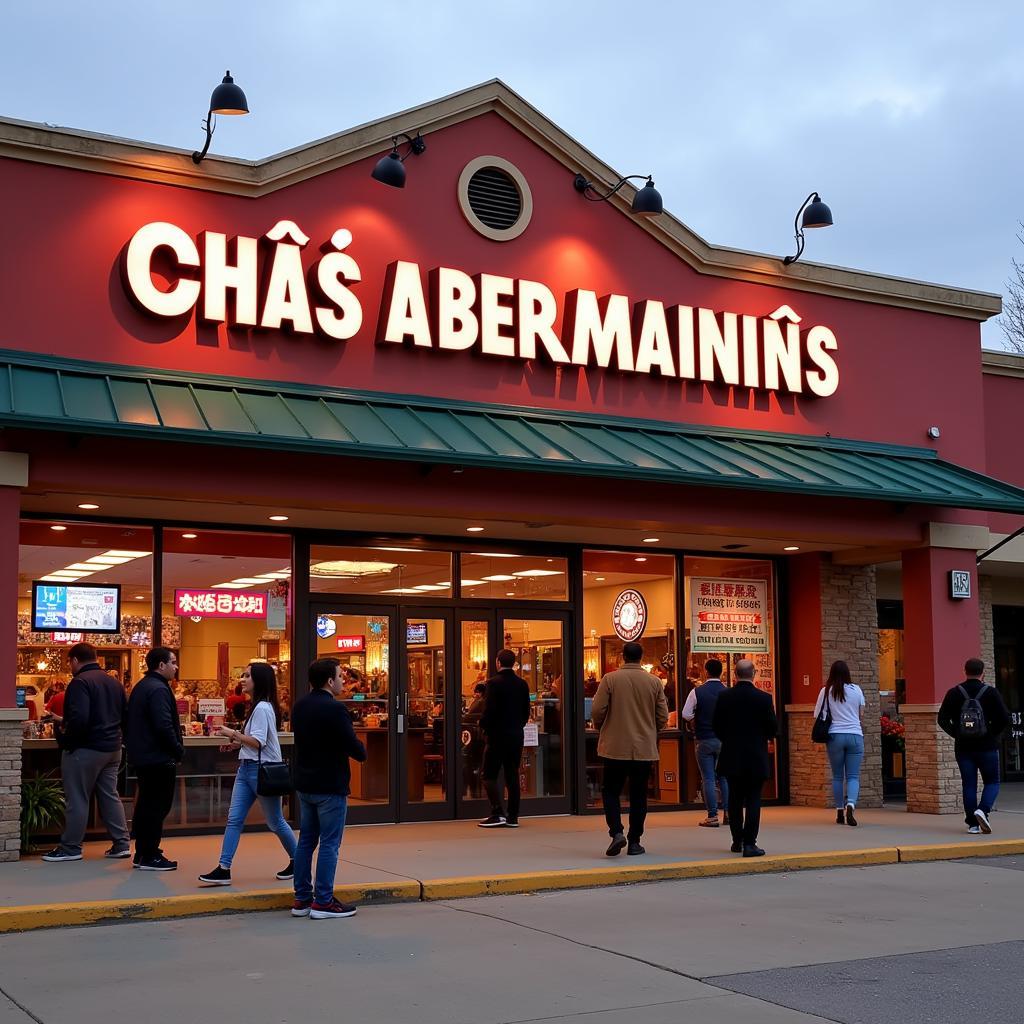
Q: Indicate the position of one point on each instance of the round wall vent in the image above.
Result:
(495, 198)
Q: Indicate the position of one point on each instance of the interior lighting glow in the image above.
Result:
(651, 540)
(229, 586)
(792, 547)
(278, 519)
(639, 559)
(189, 536)
(499, 578)
(474, 529)
(58, 527)
(493, 554)
(472, 583)
(538, 572)
(106, 560)
(128, 554)
(88, 506)
(84, 567)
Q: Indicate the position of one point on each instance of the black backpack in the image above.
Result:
(972, 715)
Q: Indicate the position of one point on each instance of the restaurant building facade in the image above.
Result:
(276, 410)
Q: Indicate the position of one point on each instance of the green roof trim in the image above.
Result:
(43, 392)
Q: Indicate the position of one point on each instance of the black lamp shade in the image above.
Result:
(817, 215)
(647, 202)
(390, 171)
(227, 98)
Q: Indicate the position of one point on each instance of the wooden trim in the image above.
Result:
(104, 154)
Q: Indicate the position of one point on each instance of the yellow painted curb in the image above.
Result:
(585, 878)
(30, 918)
(956, 851)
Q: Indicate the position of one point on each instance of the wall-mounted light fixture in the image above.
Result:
(815, 215)
(227, 98)
(646, 203)
(390, 169)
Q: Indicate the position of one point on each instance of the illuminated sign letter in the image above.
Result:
(684, 334)
(404, 308)
(137, 267)
(537, 313)
(333, 275)
(654, 346)
(605, 325)
(219, 276)
(495, 314)
(823, 381)
(719, 347)
(453, 296)
(782, 353)
(751, 354)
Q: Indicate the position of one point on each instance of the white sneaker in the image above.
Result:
(973, 830)
(982, 819)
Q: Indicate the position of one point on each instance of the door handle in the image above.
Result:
(401, 723)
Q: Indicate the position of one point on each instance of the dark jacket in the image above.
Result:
(506, 704)
(152, 729)
(707, 700)
(997, 718)
(744, 720)
(94, 706)
(324, 741)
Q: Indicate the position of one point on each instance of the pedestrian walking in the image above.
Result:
(257, 743)
(744, 720)
(324, 742)
(153, 734)
(699, 708)
(975, 715)
(89, 736)
(506, 712)
(844, 700)
(629, 709)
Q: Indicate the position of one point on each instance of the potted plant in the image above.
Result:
(893, 747)
(42, 805)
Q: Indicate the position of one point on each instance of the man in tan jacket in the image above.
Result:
(629, 709)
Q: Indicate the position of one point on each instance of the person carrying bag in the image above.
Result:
(257, 779)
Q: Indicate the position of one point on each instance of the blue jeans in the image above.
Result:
(845, 754)
(321, 821)
(243, 796)
(986, 762)
(707, 760)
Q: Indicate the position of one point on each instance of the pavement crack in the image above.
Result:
(664, 968)
(24, 1009)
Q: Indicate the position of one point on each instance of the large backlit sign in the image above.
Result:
(263, 283)
(220, 604)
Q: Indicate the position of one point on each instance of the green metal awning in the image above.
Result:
(39, 392)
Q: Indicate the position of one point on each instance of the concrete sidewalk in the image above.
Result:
(441, 860)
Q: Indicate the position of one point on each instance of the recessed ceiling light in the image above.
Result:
(474, 529)
(88, 505)
(472, 583)
(278, 519)
(67, 574)
(58, 527)
(510, 593)
(188, 536)
(538, 572)
(499, 578)
(140, 597)
(106, 561)
(600, 579)
(229, 586)
(127, 554)
(639, 559)
(249, 581)
(651, 540)
(84, 567)
(792, 547)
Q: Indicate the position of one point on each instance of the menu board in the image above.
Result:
(78, 607)
(728, 614)
(415, 633)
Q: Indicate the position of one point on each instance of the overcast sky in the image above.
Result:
(905, 116)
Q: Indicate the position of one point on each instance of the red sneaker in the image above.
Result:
(300, 908)
(320, 911)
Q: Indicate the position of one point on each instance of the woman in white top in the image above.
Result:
(845, 737)
(257, 738)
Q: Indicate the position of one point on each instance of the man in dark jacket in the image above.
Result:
(699, 709)
(154, 750)
(979, 752)
(90, 740)
(744, 720)
(324, 742)
(506, 712)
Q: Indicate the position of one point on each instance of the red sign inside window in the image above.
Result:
(352, 644)
(220, 604)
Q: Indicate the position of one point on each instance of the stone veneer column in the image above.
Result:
(988, 627)
(10, 782)
(933, 781)
(834, 617)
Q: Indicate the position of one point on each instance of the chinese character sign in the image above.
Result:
(220, 604)
(728, 614)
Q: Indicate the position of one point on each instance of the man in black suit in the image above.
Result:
(744, 720)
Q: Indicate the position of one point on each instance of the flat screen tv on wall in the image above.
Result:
(76, 607)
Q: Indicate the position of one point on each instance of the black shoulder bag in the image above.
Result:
(822, 722)
(272, 778)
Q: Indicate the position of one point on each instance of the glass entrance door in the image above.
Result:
(363, 641)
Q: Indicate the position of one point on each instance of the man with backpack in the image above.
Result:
(974, 714)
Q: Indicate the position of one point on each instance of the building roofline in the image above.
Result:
(1002, 364)
(105, 154)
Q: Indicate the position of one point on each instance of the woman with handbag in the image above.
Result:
(841, 704)
(261, 772)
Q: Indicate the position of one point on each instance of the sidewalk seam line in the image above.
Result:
(24, 1009)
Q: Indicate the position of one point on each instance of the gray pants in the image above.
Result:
(85, 772)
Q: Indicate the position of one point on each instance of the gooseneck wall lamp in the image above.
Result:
(227, 98)
(815, 215)
(646, 203)
(390, 169)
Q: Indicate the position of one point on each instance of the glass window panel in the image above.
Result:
(473, 671)
(426, 676)
(509, 577)
(392, 571)
(607, 575)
